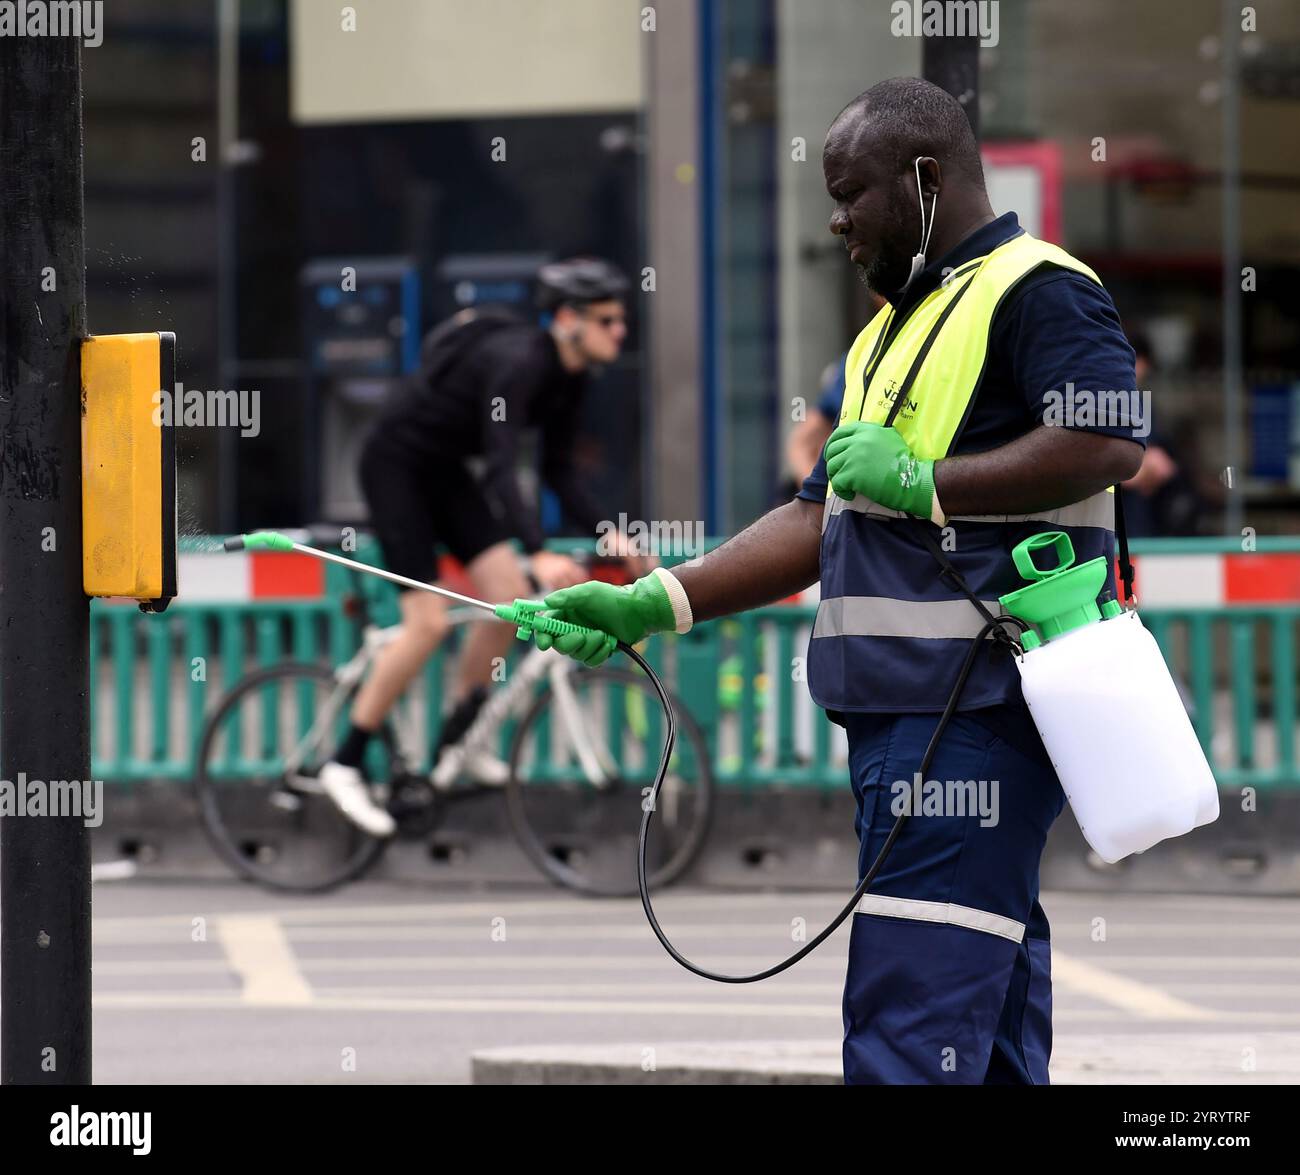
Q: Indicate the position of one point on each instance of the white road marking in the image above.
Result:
(776, 931)
(161, 966)
(620, 1008)
(1256, 991)
(113, 871)
(218, 1001)
(828, 964)
(821, 991)
(496, 961)
(1122, 929)
(1244, 964)
(310, 912)
(1064, 908)
(625, 920)
(261, 956)
(615, 909)
(777, 986)
(1141, 999)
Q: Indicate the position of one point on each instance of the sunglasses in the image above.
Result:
(607, 320)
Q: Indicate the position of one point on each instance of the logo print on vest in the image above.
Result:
(889, 393)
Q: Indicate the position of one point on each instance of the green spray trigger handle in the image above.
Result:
(526, 616)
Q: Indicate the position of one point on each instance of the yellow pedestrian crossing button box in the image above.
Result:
(128, 468)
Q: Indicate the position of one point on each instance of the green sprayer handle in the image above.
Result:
(526, 616)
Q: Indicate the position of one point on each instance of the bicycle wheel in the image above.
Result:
(582, 832)
(267, 819)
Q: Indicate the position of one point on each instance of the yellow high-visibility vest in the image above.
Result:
(936, 357)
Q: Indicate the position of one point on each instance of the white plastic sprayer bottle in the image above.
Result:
(1107, 708)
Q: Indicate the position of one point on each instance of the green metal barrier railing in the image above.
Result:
(154, 677)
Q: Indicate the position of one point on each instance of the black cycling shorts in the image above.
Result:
(415, 505)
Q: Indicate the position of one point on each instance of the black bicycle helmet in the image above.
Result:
(577, 281)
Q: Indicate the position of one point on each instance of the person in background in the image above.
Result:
(809, 436)
(1160, 500)
(807, 439)
(485, 378)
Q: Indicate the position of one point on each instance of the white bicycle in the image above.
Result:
(583, 746)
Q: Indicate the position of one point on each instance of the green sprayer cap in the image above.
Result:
(1057, 599)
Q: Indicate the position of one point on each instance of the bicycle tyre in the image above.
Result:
(682, 857)
(226, 842)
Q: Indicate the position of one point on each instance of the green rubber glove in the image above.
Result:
(628, 614)
(873, 460)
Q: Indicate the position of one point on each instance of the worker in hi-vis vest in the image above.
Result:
(993, 341)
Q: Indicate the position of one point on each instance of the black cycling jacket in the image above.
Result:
(476, 392)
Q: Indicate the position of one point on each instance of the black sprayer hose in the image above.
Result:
(876, 865)
(994, 625)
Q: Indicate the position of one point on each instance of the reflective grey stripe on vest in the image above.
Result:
(1098, 510)
(945, 912)
(860, 505)
(881, 616)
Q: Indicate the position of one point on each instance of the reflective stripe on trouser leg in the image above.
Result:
(948, 979)
(954, 915)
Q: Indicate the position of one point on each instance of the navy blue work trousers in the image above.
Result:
(949, 973)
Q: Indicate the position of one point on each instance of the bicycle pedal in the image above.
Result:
(416, 807)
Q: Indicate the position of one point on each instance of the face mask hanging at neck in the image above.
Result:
(918, 262)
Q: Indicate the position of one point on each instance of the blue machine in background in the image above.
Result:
(361, 325)
(462, 280)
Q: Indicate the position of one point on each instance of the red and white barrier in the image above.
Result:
(242, 577)
(1162, 581)
(1216, 580)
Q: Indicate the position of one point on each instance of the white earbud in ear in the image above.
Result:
(918, 261)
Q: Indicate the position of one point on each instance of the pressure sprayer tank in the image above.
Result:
(1107, 708)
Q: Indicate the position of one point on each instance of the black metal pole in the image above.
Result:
(1233, 376)
(44, 614)
(952, 63)
(227, 53)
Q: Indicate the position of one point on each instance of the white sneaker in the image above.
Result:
(477, 763)
(482, 766)
(348, 790)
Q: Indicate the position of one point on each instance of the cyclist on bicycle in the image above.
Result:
(484, 378)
